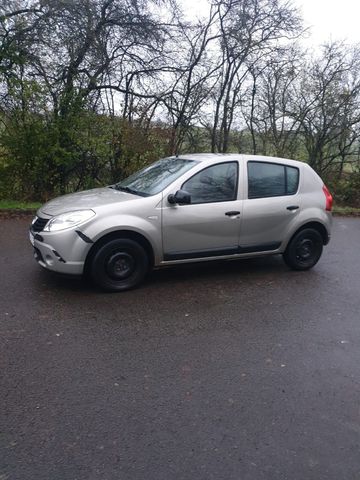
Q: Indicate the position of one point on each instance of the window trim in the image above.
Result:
(284, 165)
(215, 165)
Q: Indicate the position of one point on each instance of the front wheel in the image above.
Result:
(119, 265)
(304, 250)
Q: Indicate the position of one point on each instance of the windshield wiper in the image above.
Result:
(126, 189)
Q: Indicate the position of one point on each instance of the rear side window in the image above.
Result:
(271, 180)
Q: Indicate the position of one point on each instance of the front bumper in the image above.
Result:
(62, 252)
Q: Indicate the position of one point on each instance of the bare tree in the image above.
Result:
(271, 97)
(249, 29)
(327, 106)
(192, 79)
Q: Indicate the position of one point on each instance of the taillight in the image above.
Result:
(328, 197)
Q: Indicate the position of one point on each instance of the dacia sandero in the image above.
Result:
(186, 208)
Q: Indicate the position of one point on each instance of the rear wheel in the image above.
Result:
(304, 249)
(119, 265)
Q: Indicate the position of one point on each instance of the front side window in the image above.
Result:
(217, 183)
(271, 180)
(153, 179)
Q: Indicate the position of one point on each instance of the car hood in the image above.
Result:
(96, 197)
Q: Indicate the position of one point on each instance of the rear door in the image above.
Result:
(272, 205)
(209, 225)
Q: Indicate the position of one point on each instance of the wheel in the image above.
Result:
(304, 250)
(119, 265)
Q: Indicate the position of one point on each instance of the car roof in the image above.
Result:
(222, 157)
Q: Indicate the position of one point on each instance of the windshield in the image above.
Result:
(156, 177)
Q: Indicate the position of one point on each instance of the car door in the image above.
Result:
(209, 225)
(272, 205)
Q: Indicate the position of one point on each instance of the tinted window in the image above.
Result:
(271, 180)
(217, 183)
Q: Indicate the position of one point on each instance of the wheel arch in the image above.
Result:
(120, 234)
(316, 226)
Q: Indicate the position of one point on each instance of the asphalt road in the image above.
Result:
(227, 371)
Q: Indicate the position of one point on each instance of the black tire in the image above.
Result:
(119, 265)
(304, 250)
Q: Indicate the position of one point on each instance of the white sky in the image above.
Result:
(331, 19)
(328, 19)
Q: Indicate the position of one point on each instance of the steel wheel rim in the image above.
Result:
(305, 250)
(120, 265)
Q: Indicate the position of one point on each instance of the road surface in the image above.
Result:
(227, 371)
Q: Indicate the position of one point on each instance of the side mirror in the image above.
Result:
(181, 197)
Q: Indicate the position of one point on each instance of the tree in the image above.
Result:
(327, 107)
(63, 56)
(249, 30)
(192, 78)
(271, 94)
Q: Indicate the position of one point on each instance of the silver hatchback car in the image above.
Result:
(187, 208)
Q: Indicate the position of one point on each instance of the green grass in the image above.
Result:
(16, 205)
(346, 211)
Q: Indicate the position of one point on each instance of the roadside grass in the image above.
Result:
(16, 205)
(346, 211)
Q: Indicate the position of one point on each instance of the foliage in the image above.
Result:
(347, 189)
(94, 89)
(43, 157)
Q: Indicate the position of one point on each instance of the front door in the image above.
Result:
(209, 225)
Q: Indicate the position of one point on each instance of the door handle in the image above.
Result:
(292, 207)
(232, 214)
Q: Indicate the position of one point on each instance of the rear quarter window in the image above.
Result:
(271, 179)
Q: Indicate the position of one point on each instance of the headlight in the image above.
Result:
(67, 220)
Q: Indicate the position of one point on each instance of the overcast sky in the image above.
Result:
(328, 19)
(335, 19)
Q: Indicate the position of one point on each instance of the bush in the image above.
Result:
(42, 157)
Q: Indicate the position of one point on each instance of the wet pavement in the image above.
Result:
(227, 371)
